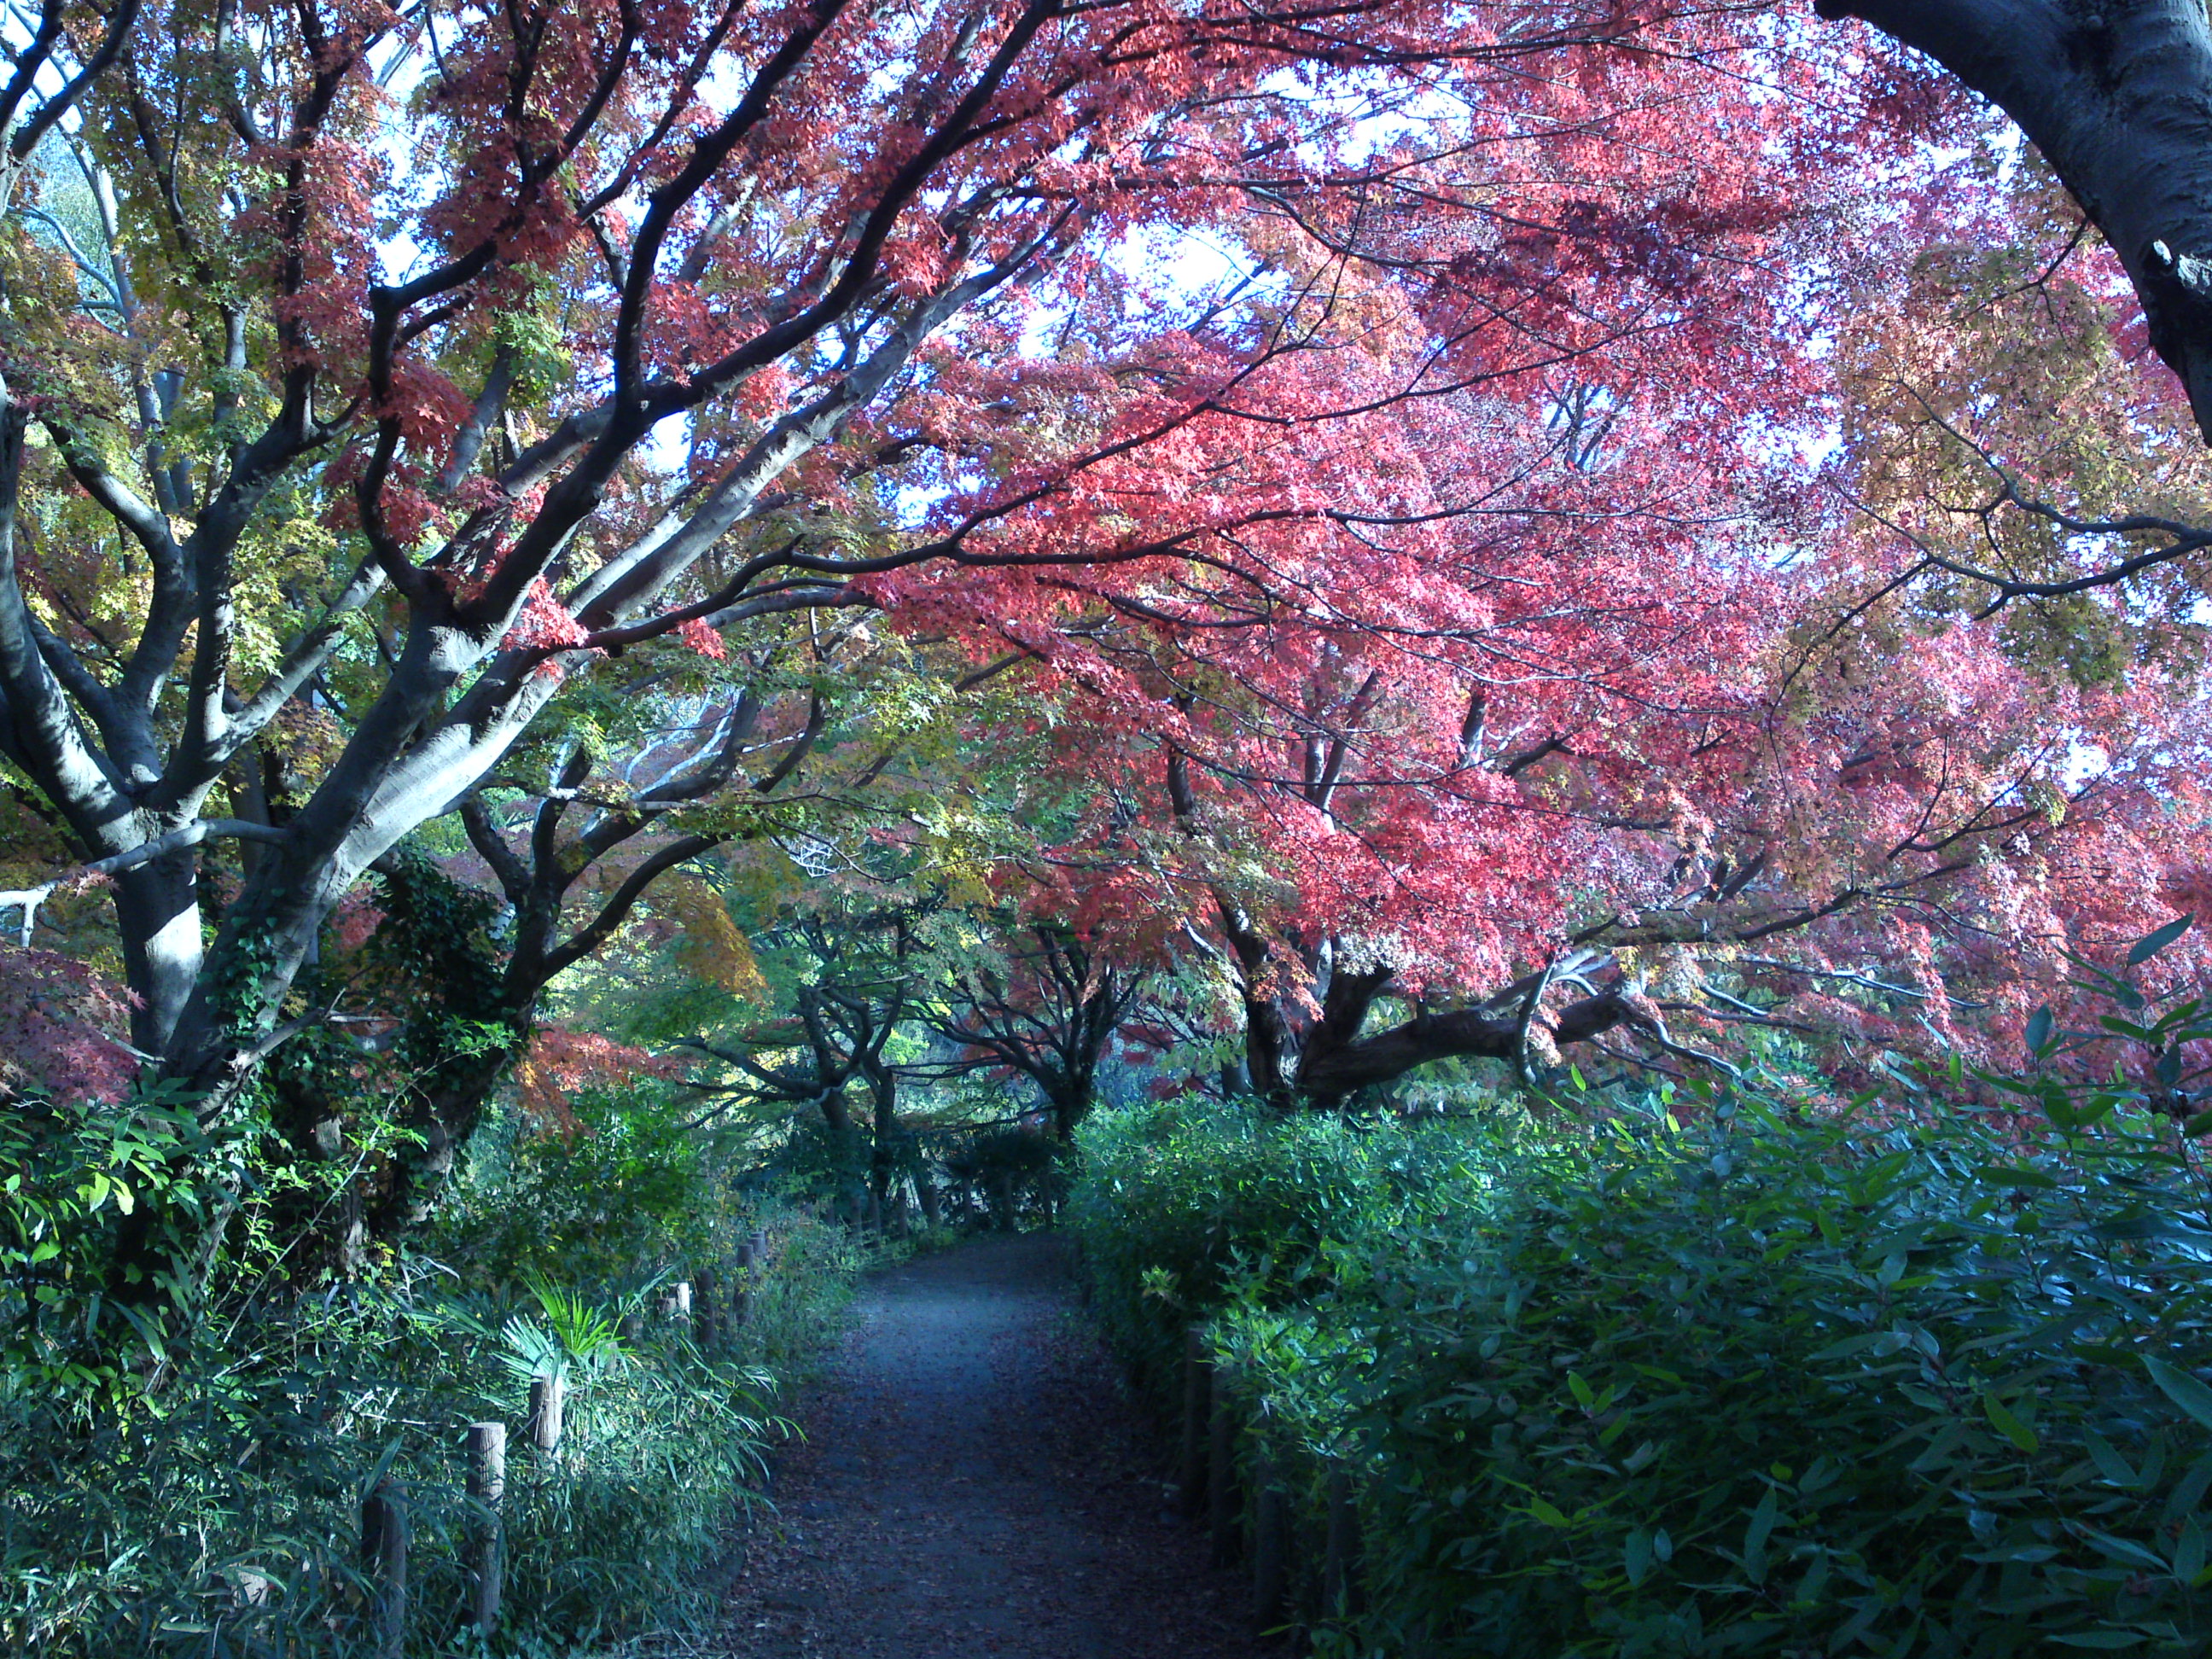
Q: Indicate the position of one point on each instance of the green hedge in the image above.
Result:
(1908, 1379)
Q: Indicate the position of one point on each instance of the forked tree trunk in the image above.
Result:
(1068, 1099)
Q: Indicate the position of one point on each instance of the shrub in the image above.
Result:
(78, 1174)
(221, 1509)
(1914, 1377)
(1179, 1201)
(626, 1189)
(183, 1468)
(1777, 1382)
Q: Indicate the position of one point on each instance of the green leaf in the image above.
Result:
(1585, 1396)
(2010, 1425)
(1638, 1555)
(2102, 1638)
(1755, 1536)
(2132, 1229)
(2185, 1390)
(2189, 1550)
(2039, 1029)
(2151, 944)
(2188, 1493)
(2200, 1124)
(2125, 1549)
(2110, 1464)
(2007, 1175)
(1548, 1513)
(1851, 1345)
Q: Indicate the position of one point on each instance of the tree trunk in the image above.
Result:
(1338, 1062)
(2117, 95)
(157, 914)
(1270, 1052)
(1070, 1100)
(444, 1116)
(882, 1159)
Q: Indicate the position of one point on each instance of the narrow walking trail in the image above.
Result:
(972, 1483)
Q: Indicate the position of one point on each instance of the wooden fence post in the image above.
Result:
(704, 1310)
(384, 1564)
(1221, 1477)
(548, 1395)
(1197, 1402)
(486, 1482)
(1340, 1552)
(1270, 1515)
(741, 1294)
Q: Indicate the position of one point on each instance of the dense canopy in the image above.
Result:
(1305, 543)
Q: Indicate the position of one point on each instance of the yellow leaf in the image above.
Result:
(712, 945)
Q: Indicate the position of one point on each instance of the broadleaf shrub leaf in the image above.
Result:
(2151, 944)
(2185, 1390)
(2001, 1174)
(2010, 1425)
(1637, 1555)
(2102, 1638)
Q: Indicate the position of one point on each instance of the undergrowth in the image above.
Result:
(198, 1490)
(1743, 1370)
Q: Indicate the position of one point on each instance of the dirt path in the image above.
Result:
(973, 1483)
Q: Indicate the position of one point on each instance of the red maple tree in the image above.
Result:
(388, 375)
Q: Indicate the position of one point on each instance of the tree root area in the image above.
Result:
(973, 1481)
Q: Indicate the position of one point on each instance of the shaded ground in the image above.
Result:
(973, 1483)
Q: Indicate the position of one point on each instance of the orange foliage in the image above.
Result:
(560, 1063)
